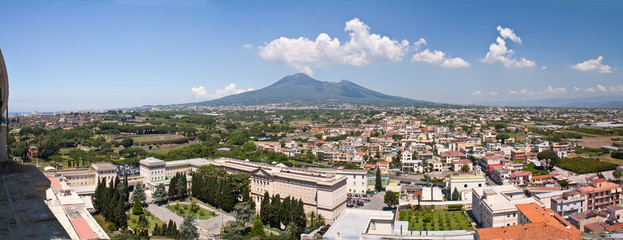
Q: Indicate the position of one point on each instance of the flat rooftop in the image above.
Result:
(352, 223)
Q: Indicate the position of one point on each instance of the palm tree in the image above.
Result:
(419, 198)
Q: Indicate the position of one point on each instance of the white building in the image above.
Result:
(104, 171)
(495, 206)
(356, 180)
(152, 169)
(464, 185)
(570, 203)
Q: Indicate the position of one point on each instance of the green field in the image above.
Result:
(153, 220)
(183, 209)
(151, 138)
(436, 220)
(589, 165)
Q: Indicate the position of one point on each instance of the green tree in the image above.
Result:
(173, 185)
(550, 156)
(137, 209)
(465, 168)
(188, 230)
(502, 136)
(127, 142)
(419, 199)
(617, 174)
(142, 229)
(564, 184)
(265, 208)
(456, 195)
(139, 193)
(378, 185)
(258, 229)
(160, 195)
(391, 198)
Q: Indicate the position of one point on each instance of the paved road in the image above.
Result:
(376, 202)
(207, 228)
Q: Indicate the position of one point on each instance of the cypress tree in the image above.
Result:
(265, 208)
(173, 186)
(275, 206)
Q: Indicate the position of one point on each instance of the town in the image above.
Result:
(345, 172)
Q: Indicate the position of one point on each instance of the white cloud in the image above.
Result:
(593, 64)
(477, 93)
(547, 91)
(543, 67)
(601, 88)
(498, 52)
(247, 46)
(550, 90)
(439, 57)
(494, 93)
(231, 89)
(454, 63)
(417, 44)
(435, 56)
(363, 47)
(509, 34)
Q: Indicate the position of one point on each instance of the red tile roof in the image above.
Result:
(83, 229)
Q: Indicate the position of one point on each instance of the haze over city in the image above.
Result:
(75, 55)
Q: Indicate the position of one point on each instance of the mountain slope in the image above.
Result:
(300, 89)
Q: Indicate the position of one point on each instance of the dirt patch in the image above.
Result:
(596, 142)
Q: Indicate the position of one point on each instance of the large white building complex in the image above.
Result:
(496, 206)
(321, 192)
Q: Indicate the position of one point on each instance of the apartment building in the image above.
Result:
(356, 180)
(601, 194)
(569, 203)
(464, 184)
(495, 206)
(321, 192)
(74, 178)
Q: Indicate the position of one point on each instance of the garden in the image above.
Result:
(436, 219)
(182, 209)
(151, 219)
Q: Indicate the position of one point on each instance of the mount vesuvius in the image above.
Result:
(300, 89)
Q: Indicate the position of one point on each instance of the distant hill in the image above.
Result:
(300, 89)
(588, 102)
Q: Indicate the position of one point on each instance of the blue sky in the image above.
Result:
(73, 55)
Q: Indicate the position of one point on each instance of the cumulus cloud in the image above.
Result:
(477, 93)
(363, 47)
(417, 43)
(231, 89)
(494, 93)
(498, 52)
(512, 92)
(247, 46)
(439, 57)
(508, 33)
(599, 88)
(593, 64)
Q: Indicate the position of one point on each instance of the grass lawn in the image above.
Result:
(100, 220)
(155, 138)
(183, 209)
(153, 220)
(436, 220)
(165, 151)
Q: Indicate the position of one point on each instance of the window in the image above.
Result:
(465, 186)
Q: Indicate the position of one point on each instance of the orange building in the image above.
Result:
(534, 222)
(601, 194)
